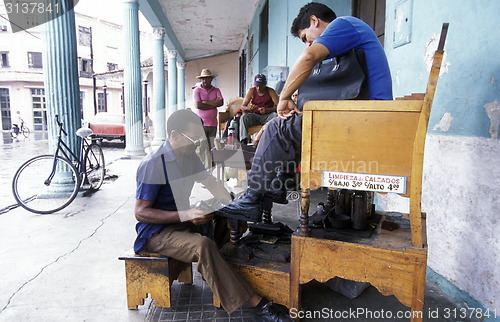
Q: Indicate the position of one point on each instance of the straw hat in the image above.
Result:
(205, 73)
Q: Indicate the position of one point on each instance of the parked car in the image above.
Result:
(108, 126)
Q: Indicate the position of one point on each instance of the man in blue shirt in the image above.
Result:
(168, 224)
(326, 36)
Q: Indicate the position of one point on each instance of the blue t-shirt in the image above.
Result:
(167, 183)
(346, 33)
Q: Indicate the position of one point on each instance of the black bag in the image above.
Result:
(341, 78)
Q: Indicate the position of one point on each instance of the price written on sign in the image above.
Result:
(364, 181)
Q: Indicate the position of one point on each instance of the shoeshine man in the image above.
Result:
(169, 225)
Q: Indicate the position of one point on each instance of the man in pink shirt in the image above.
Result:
(207, 98)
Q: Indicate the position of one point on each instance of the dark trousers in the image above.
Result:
(280, 146)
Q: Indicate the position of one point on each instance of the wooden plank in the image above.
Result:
(418, 154)
(270, 282)
(374, 142)
(390, 106)
(306, 148)
(145, 277)
(391, 272)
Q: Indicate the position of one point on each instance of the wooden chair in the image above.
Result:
(383, 138)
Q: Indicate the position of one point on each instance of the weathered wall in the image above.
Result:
(461, 173)
(283, 49)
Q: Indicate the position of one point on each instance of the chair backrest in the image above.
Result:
(370, 145)
(233, 105)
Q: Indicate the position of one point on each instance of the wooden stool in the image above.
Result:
(151, 273)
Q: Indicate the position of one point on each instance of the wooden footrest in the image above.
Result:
(269, 279)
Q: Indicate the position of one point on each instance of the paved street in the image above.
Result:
(64, 266)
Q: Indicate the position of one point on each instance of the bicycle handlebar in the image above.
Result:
(60, 124)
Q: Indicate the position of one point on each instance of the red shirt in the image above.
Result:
(261, 101)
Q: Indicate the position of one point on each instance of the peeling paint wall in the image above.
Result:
(461, 170)
(283, 49)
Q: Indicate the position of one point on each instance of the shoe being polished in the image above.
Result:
(283, 182)
(271, 312)
(277, 196)
(248, 207)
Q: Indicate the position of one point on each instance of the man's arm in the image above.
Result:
(299, 73)
(275, 99)
(246, 101)
(208, 105)
(144, 212)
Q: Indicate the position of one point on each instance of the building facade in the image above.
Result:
(21, 70)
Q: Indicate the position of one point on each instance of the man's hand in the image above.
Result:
(202, 220)
(286, 108)
(197, 216)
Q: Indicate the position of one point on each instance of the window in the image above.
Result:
(82, 98)
(85, 36)
(39, 109)
(5, 108)
(85, 67)
(4, 60)
(101, 104)
(112, 67)
(35, 60)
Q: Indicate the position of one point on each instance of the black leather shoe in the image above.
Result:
(272, 312)
(283, 182)
(248, 207)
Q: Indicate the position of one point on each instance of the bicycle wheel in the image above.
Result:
(33, 191)
(26, 132)
(94, 166)
(14, 134)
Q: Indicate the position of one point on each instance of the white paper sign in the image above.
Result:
(364, 182)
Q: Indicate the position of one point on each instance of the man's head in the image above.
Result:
(206, 77)
(185, 131)
(312, 21)
(260, 80)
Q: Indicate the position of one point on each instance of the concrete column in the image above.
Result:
(172, 81)
(62, 88)
(181, 85)
(158, 112)
(132, 80)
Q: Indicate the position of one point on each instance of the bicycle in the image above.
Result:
(48, 183)
(16, 130)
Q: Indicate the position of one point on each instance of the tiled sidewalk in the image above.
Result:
(195, 303)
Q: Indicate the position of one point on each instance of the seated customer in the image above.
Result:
(259, 106)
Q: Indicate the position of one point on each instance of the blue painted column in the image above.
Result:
(158, 108)
(181, 85)
(172, 81)
(62, 88)
(132, 80)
